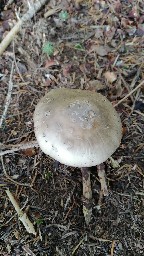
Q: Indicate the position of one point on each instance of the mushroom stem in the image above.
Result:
(87, 194)
(102, 179)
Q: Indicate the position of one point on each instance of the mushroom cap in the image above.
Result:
(76, 127)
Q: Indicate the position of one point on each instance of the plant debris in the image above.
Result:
(93, 43)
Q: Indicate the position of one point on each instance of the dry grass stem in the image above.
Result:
(112, 248)
(51, 12)
(8, 97)
(130, 93)
(21, 146)
(9, 3)
(21, 215)
(77, 246)
(27, 16)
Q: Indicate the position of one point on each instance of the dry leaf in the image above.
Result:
(66, 70)
(29, 152)
(50, 63)
(110, 76)
(110, 32)
(100, 50)
(96, 85)
(117, 6)
(134, 12)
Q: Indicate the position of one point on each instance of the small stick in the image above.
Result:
(112, 247)
(101, 174)
(138, 112)
(87, 194)
(8, 3)
(27, 16)
(77, 246)
(18, 147)
(51, 12)
(21, 215)
(9, 37)
(127, 87)
(8, 97)
(28, 250)
(130, 93)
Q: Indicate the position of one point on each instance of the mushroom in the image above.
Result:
(78, 128)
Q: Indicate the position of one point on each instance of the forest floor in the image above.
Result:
(91, 45)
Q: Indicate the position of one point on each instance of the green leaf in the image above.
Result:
(48, 175)
(48, 48)
(39, 221)
(63, 15)
(79, 47)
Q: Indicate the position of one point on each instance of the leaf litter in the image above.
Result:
(99, 47)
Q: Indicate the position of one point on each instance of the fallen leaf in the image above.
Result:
(141, 19)
(77, 5)
(124, 130)
(99, 33)
(134, 13)
(110, 76)
(140, 30)
(66, 69)
(110, 32)
(83, 68)
(96, 85)
(117, 6)
(100, 50)
(50, 63)
(29, 152)
(22, 67)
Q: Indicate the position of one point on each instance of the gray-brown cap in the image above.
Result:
(76, 127)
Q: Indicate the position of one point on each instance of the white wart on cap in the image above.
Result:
(76, 127)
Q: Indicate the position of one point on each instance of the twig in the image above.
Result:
(27, 16)
(70, 209)
(9, 37)
(28, 250)
(130, 93)
(8, 97)
(138, 112)
(77, 246)
(52, 11)
(135, 111)
(112, 247)
(8, 3)
(136, 77)
(100, 239)
(21, 215)
(14, 58)
(136, 97)
(18, 147)
(126, 86)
